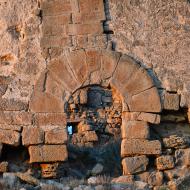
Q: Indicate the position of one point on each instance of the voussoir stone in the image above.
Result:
(32, 136)
(147, 101)
(57, 135)
(48, 153)
(135, 130)
(132, 165)
(140, 146)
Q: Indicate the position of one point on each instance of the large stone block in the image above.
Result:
(165, 162)
(58, 135)
(149, 117)
(140, 146)
(48, 153)
(15, 118)
(43, 102)
(147, 101)
(83, 29)
(32, 136)
(57, 7)
(10, 137)
(171, 101)
(155, 178)
(55, 119)
(135, 130)
(132, 165)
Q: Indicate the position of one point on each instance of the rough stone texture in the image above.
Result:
(3, 167)
(132, 165)
(48, 153)
(58, 135)
(171, 101)
(140, 146)
(32, 136)
(135, 130)
(165, 162)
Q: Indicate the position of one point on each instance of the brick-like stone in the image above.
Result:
(135, 130)
(171, 101)
(55, 41)
(82, 29)
(140, 146)
(48, 153)
(57, 135)
(56, 20)
(132, 165)
(32, 136)
(53, 30)
(11, 127)
(129, 179)
(10, 137)
(182, 157)
(15, 118)
(165, 162)
(57, 7)
(43, 119)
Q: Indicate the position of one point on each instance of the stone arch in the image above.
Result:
(73, 70)
(140, 98)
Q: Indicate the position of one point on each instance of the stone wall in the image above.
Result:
(72, 62)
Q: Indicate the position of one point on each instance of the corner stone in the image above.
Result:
(48, 153)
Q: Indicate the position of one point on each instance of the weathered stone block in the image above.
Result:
(43, 119)
(55, 41)
(155, 178)
(123, 179)
(132, 165)
(82, 29)
(11, 127)
(12, 105)
(48, 153)
(165, 162)
(140, 146)
(171, 101)
(15, 118)
(149, 117)
(57, 135)
(147, 101)
(51, 8)
(10, 137)
(175, 141)
(32, 136)
(135, 130)
(53, 30)
(182, 157)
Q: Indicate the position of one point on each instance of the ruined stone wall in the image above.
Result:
(53, 51)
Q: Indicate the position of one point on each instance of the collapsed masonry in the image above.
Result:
(101, 93)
